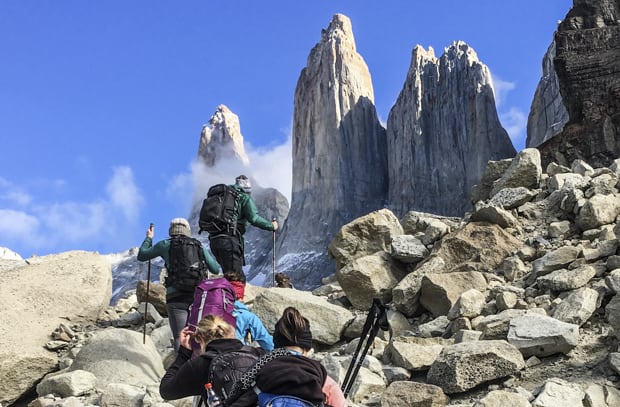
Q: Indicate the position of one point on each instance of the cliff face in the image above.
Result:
(587, 63)
(442, 131)
(548, 114)
(339, 150)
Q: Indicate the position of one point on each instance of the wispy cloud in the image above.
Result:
(515, 123)
(19, 226)
(273, 168)
(501, 89)
(33, 225)
(13, 195)
(123, 192)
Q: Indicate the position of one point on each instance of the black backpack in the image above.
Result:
(225, 370)
(187, 265)
(220, 210)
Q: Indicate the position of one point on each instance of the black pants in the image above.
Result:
(228, 253)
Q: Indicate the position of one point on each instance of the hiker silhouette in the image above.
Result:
(227, 245)
(180, 281)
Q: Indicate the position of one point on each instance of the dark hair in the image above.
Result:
(293, 329)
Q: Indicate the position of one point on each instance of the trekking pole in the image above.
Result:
(377, 318)
(148, 282)
(273, 261)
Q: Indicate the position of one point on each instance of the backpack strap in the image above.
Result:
(248, 379)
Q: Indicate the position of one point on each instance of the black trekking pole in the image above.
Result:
(377, 318)
(148, 282)
(273, 261)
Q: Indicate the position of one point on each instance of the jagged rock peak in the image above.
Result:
(443, 128)
(341, 29)
(461, 50)
(221, 138)
(458, 50)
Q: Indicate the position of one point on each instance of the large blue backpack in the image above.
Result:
(276, 400)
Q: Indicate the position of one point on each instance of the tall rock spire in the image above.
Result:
(339, 150)
(221, 139)
(442, 131)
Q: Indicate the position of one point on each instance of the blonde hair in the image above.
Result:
(213, 327)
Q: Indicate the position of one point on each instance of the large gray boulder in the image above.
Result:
(412, 394)
(327, 321)
(465, 365)
(38, 296)
(525, 171)
(117, 355)
(559, 393)
(369, 277)
(577, 307)
(440, 291)
(477, 246)
(365, 235)
(539, 335)
(597, 211)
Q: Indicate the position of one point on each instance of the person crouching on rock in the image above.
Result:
(296, 374)
(187, 376)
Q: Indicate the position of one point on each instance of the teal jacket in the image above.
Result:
(248, 214)
(162, 249)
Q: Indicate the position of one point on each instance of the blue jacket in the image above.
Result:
(247, 321)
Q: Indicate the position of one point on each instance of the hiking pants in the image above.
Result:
(227, 251)
(177, 316)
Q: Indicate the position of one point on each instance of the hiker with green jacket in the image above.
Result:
(229, 249)
(178, 299)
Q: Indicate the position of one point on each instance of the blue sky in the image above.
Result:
(102, 103)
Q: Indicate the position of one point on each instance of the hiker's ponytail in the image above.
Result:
(293, 329)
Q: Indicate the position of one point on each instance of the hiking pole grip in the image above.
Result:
(148, 281)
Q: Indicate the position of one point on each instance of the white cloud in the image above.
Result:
(123, 192)
(45, 225)
(75, 221)
(501, 89)
(515, 122)
(179, 191)
(19, 225)
(13, 194)
(273, 168)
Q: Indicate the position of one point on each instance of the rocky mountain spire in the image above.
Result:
(442, 131)
(339, 150)
(221, 138)
(587, 63)
(548, 114)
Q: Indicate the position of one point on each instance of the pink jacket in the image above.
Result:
(333, 395)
